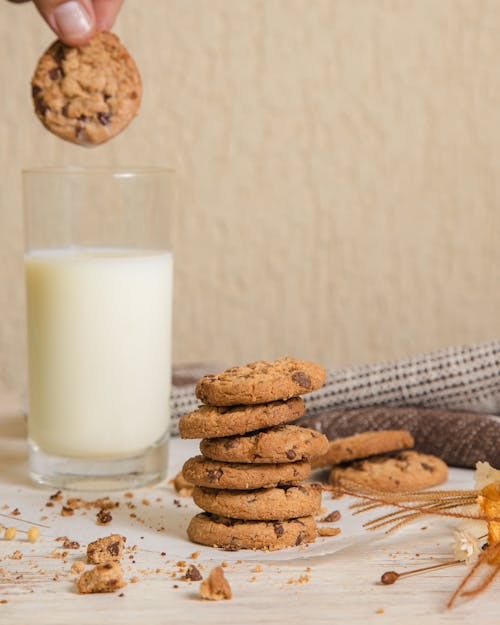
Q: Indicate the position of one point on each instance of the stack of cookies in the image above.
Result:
(249, 478)
(382, 460)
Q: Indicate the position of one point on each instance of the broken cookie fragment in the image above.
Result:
(102, 578)
(215, 587)
(86, 94)
(182, 486)
(107, 549)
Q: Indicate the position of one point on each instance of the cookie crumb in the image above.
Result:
(103, 517)
(379, 611)
(67, 511)
(195, 555)
(107, 549)
(328, 531)
(17, 555)
(78, 567)
(257, 568)
(332, 517)
(182, 486)
(215, 587)
(102, 578)
(193, 574)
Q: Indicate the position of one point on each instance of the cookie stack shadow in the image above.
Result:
(249, 478)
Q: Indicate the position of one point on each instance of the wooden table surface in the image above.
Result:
(338, 588)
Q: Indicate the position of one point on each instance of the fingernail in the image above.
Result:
(72, 19)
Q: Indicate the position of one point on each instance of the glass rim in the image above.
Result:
(109, 170)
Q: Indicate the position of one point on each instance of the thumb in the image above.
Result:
(73, 21)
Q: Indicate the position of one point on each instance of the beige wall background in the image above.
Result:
(338, 168)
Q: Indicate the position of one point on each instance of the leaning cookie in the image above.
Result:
(214, 421)
(283, 443)
(233, 534)
(402, 471)
(364, 445)
(87, 94)
(202, 471)
(260, 382)
(269, 504)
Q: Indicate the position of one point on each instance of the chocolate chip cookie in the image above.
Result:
(260, 382)
(233, 534)
(285, 502)
(364, 445)
(213, 421)
(282, 443)
(87, 94)
(404, 470)
(202, 471)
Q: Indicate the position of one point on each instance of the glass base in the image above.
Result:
(91, 474)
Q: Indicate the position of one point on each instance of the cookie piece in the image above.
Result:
(269, 504)
(214, 421)
(364, 445)
(87, 94)
(232, 534)
(202, 471)
(102, 578)
(260, 382)
(107, 549)
(216, 586)
(404, 470)
(182, 486)
(283, 443)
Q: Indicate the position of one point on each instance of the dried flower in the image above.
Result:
(10, 533)
(466, 547)
(33, 534)
(485, 474)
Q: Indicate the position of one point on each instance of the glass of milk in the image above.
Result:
(99, 302)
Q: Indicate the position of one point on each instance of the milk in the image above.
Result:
(99, 342)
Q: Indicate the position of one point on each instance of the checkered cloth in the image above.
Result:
(449, 400)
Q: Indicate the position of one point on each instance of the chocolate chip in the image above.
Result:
(114, 549)
(300, 538)
(302, 379)
(290, 454)
(332, 517)
(55, 73)
(59, 52)
(133, 95)
(106, 97)
(40, 106)
(279, 530)
(230, 443)
(427, 467)
(83, 118)
(214, 474)
(107, 566)
(104, 118)
(35, 90)
(193, 574)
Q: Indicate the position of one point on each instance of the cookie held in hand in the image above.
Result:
(87, 94)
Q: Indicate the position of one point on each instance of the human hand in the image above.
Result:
(75, 21)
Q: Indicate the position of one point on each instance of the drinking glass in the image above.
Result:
(99, 301)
